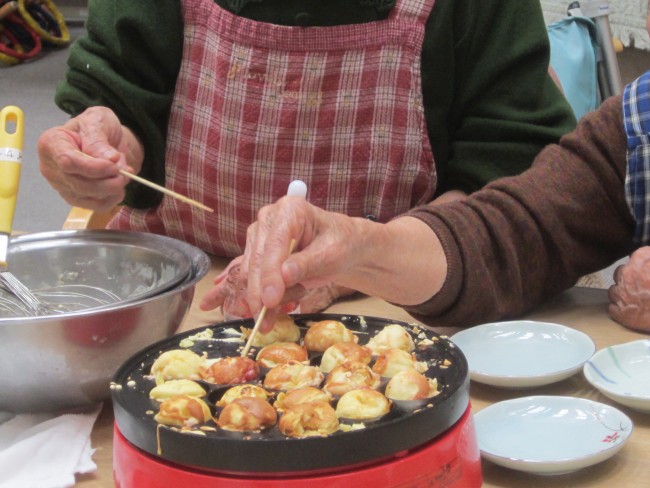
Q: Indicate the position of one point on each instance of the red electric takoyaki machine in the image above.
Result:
(429, 443)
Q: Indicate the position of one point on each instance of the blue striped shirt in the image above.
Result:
(636, 117)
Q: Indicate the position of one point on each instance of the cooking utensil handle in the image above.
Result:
(11, 155)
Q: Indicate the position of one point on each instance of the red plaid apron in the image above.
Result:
(258, 105)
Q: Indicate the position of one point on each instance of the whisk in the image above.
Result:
(19, 301)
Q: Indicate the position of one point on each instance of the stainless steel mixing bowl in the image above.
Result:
(57, 362)
(71, 272)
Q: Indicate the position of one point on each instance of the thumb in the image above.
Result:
(307, 268)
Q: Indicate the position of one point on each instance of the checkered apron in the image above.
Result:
(258, 105)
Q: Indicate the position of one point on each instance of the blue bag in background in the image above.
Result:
(574, 58)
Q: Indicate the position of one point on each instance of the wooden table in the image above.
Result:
(584, 309)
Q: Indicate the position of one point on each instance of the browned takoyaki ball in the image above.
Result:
(342, 352)
(393, 361)
(230, 371)
(307, 394)
(293, 375)
(183, 411)
(326, 333)
(242, 391)
(411, 385)
(351, 376)
(247, 414)
(364, 404)
(309, 420)
(280, 353)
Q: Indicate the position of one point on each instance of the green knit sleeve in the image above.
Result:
(129, 61)
(502, 106)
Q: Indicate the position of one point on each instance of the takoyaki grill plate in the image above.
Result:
(269, 453)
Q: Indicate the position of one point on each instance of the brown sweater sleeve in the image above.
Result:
(523, 239)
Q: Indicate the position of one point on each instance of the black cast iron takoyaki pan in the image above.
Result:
(269, 453)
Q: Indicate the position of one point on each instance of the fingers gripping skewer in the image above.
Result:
(297, 188)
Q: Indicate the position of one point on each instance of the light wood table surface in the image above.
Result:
(584, 309)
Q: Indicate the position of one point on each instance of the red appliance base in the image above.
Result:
(452, 460)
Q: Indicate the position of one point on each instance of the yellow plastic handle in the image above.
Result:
(11, 155)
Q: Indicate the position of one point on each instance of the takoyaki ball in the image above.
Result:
(183, 411)
(309, 420)
(176, 364)
(393, 361)
(243, 391)
(351, 375)
(247, 414)
(326, 333)
(280, 353)
(172, 388)
(341, 352)
(393, 336)
(410, 385)
(292, 375)
(284, 330)
(363, 404)
(230, 370)
(307, 394)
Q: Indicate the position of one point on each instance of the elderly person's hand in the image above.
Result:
(82, 158)
(401, 261)
(630, 295)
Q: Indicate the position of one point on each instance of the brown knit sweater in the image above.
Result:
(523, 239)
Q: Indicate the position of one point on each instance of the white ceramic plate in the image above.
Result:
(622, 373)
(550, 434)
(523, 353)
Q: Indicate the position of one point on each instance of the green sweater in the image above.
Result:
(490, 104)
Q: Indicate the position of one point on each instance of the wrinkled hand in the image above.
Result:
(82, 158)
(216, 296)
(318, 299)
(324, 249)
(274, 276)
(308, 301)
(327, 244)
(630, 295)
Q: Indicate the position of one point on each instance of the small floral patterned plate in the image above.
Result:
(622, 373)
(550, 434)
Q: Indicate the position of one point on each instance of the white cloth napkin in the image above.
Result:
(46, 450)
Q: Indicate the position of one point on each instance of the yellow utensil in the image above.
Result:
(11, 155)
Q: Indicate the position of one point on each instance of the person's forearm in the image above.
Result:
(521, 240)
(401, 261)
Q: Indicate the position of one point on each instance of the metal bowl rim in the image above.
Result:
(199, 260)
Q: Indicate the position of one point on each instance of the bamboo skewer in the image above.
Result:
(261, 316)
(161, 189)
(166, 191)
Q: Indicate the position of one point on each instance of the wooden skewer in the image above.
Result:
(161, 189)
(166, 191)
(260, 317)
